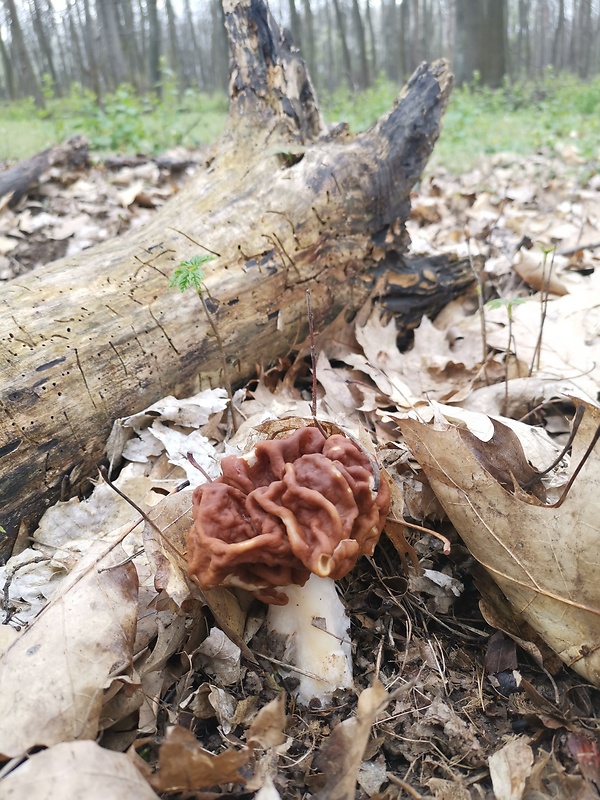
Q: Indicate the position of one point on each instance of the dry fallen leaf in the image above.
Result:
(267, 728)
(544, 558)
(183, 765)
(53, 677)
(76, 770)
(509, 769)
(535, 270)
(341, 756)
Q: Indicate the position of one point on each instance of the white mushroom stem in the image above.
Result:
(318, 645)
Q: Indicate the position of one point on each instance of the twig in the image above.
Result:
(196, 465)
(578, 469)
(573, 250)
(441, 537)
(142, 513)
(313, 362)
(477, 277)
(574, 428)
(226, 378)
(544, 296)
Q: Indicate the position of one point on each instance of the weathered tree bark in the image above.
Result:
(283, 205)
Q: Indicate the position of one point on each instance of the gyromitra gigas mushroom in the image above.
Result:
(284, 521)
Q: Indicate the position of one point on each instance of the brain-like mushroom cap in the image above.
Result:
(300, 504)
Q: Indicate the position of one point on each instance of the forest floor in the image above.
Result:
(456, 696)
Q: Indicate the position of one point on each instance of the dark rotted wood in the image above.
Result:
(421, 285)
(18, 181)
(282, 203)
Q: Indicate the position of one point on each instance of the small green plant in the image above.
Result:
(544, 297)
(120, 124)
(508, 304)
(190, 275)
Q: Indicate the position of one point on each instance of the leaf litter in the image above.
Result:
(476, 641)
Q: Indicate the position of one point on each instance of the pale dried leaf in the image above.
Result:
(167, 549)
(543, 558)
(220, 657)
(372, 775)
(509, 769)
(183, 765)
(76, 770)
(127, 196)
(52, 678)
(189, 412)
(268, 727)
(341, 755)
(535, 271)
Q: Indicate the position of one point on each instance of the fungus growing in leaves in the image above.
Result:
(284, 521)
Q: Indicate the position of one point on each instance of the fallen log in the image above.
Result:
(283, 204)
(17, 181)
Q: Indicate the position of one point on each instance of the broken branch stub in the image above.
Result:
(99, 335)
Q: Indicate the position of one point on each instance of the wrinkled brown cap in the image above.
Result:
(300, 504)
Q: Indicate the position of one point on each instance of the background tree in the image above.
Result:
(101, 43)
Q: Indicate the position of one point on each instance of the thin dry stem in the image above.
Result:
(544, 296)
(480, 307)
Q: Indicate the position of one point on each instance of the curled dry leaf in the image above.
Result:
(536, 272)
(165, 542)
(75, 770)
(183, 765)
(341, 756)
(53, 677)
(267, 728)
(544, 558)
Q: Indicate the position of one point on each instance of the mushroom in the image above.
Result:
(284, 521)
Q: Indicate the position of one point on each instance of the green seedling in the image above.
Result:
(190, 275)
(544, 296)
(508, 304)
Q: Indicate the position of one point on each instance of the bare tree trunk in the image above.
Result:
(220, 45)
(40, 32)
(308, 49)
(176, 62)
(466, 56)
(359, 32)
(406, 38)
(154, 41)
(74, 36)
(295, 24)
(330, 71)
(143, 13)
(492, 41)
(524, 39)
(585, 38)
(90, 46)
(198, 63)
(114, 62)
(346, 61)
(100, 335)
(28, 79)
(131, 47)
(8, 70)
(372, 40)
(558, 44)
(481, 40)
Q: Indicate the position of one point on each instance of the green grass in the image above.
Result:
(126, 123)
(522, 118)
